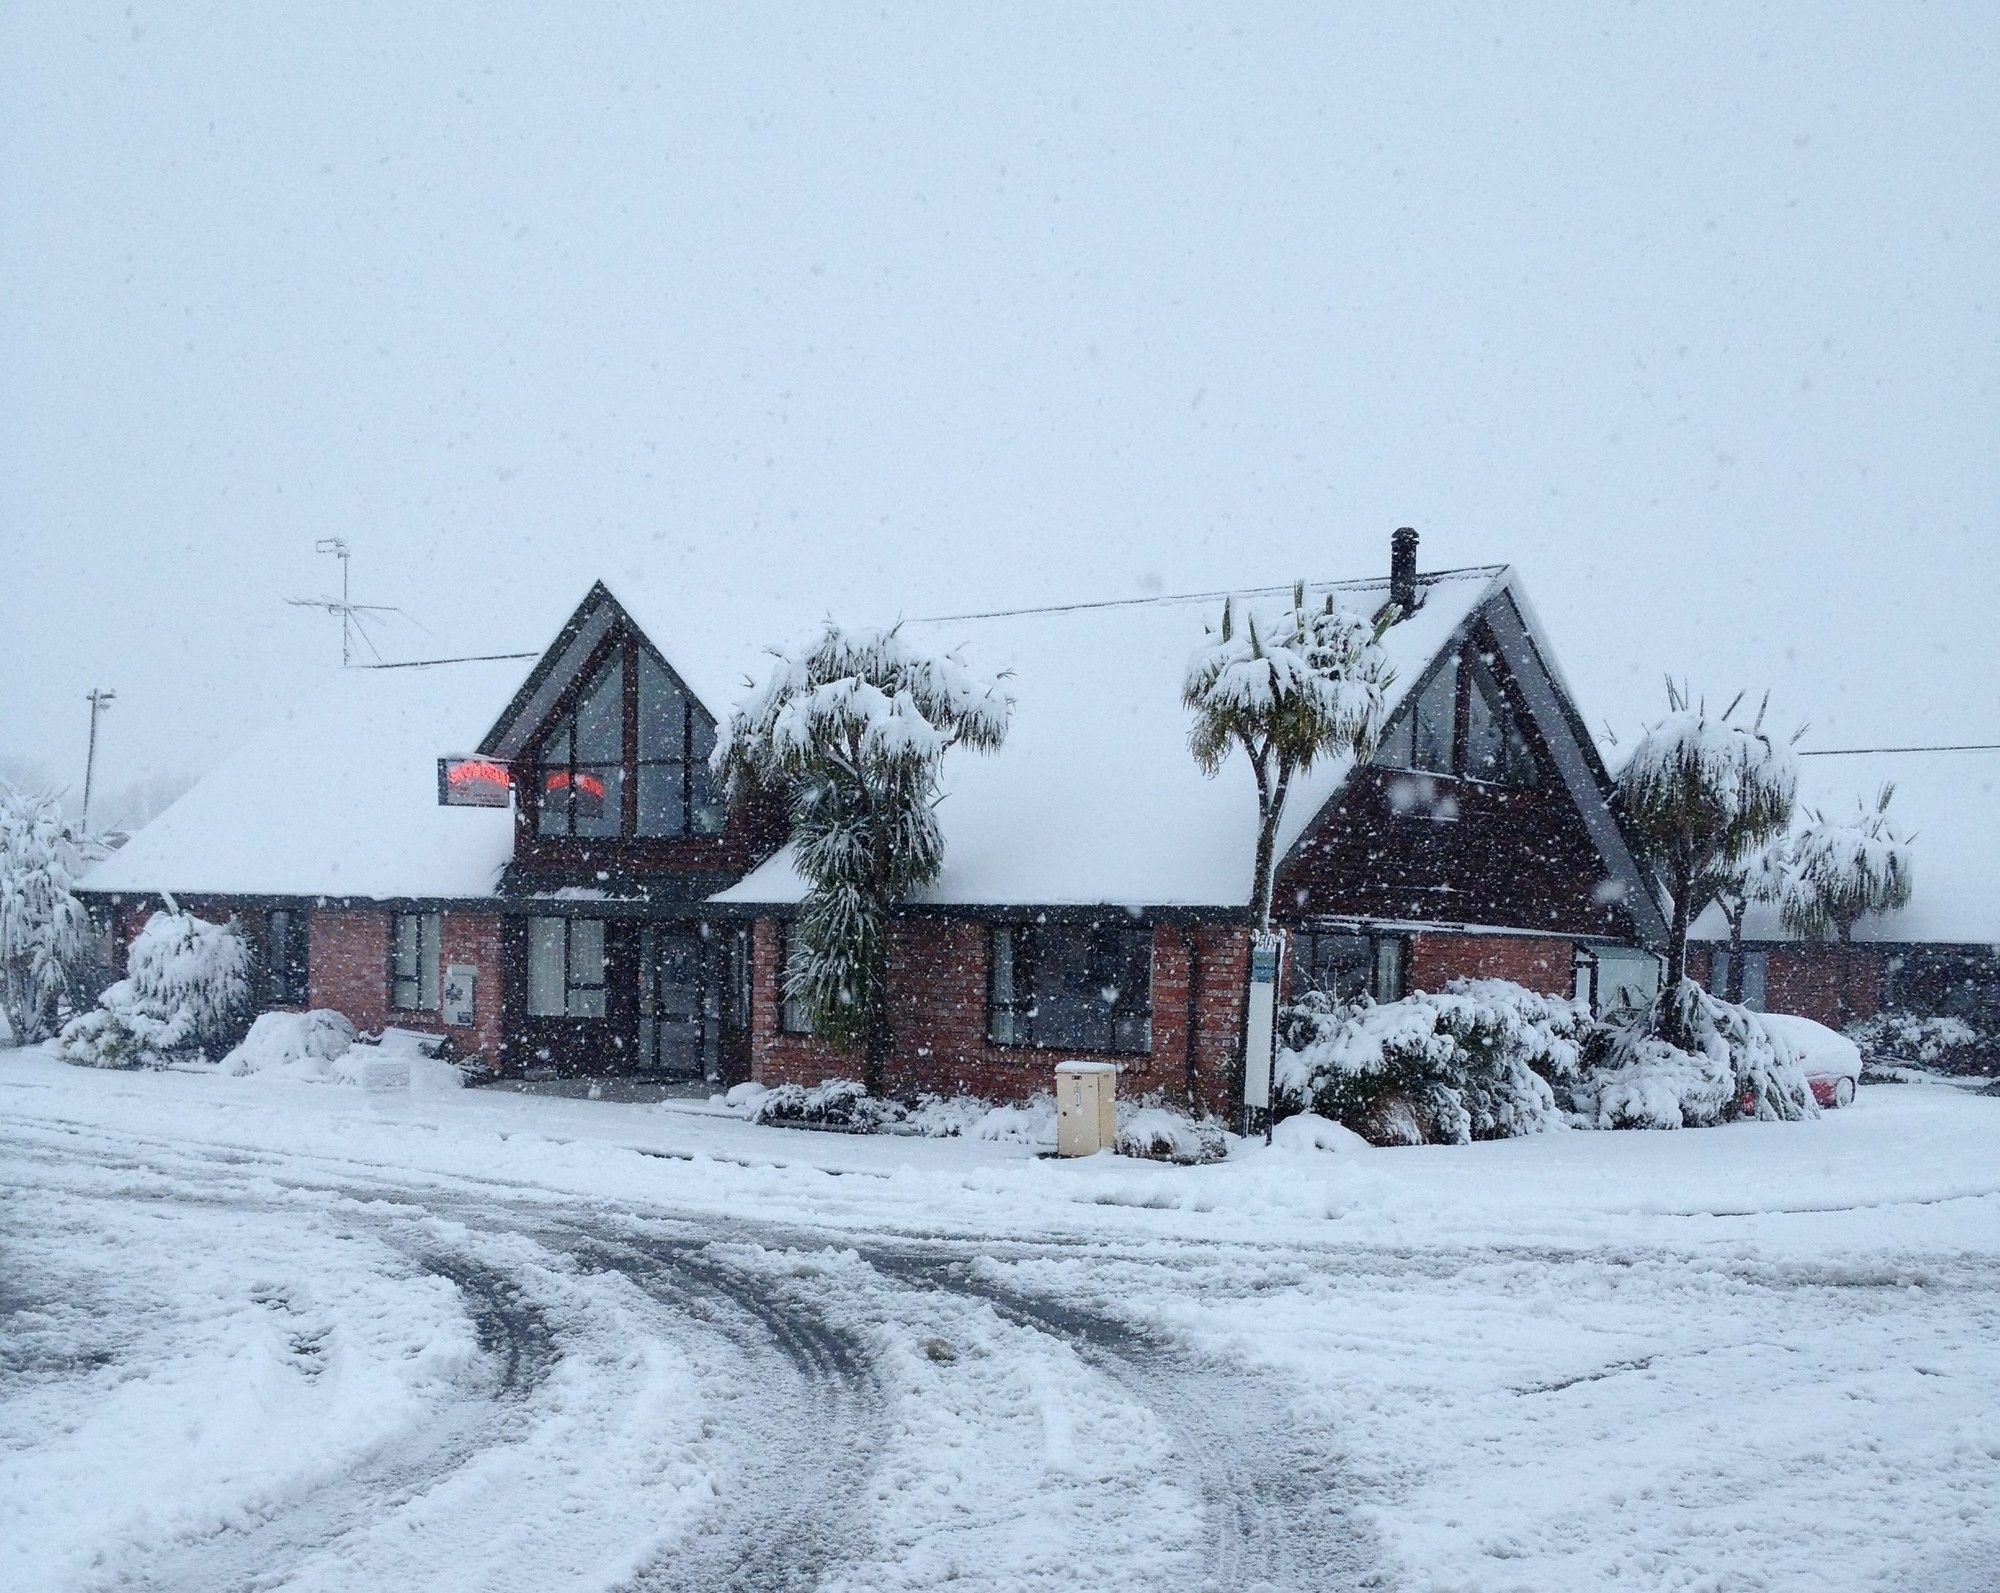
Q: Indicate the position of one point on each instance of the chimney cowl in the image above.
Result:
(1403, 570)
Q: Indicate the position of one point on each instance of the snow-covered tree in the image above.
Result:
(1764, 875)
(44, 931)
(1304, 684)
(849, 732)
(1844, 867)
(1700, 792)
(186, 991)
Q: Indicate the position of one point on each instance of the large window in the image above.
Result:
(1461, 721)
(1347, 965)
(1755, 963)
(603, 771)
(284, 962)
(1071, 987)
(793, 1016)
(414, 962)
(566, 967)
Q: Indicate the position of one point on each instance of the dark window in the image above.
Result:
(793, 1016)
(1496, 747)
(588, 760)
(566, 967)
(1754, 965)
(739, 980)
(285, 966)
(1347, 965)
(414, 960)
(1071, 987)
(1462, 721)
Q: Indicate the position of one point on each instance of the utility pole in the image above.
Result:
(99, 700)
(350, 612)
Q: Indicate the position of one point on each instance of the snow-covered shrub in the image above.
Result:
(1167, 1134)
(1737, 1065)
(1030, 1122)
(300, 1044)
(181, 961)
(833, 1103)
(120, 1032)
(1308, 1131)
(186, 993)
(44, 931)
(1473, 1061)
(1942, 1044)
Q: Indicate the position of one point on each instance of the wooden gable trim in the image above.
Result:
(1561, 729)
(552, 684)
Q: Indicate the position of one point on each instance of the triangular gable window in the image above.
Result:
(594, 778)
(1461, 721)
(1496, 747)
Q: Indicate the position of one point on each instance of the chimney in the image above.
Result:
(1403, 569)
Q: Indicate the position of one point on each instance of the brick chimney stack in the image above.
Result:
(1403, 569)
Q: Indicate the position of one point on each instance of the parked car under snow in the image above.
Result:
(1832, 1061)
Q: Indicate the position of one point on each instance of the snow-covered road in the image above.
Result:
(283, 1336)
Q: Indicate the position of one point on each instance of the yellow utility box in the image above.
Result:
(1086, 1107)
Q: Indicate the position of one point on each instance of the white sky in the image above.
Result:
(1689, 312)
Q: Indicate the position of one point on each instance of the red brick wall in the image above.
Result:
(937, 999)
(349, 972)
(1809, 980)
(1541, 963)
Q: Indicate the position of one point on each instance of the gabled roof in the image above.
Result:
(337, 798)
(1095, 799)
(1950, 803)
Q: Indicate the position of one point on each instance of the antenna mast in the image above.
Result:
(349, 611)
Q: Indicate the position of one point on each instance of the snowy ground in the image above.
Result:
(271, 1334)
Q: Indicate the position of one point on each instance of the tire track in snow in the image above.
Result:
(1272, 1495)
(518, 1350)
(790, 1509)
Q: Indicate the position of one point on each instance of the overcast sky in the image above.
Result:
(1690, 313)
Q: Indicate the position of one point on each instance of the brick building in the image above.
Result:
(609, 914)
(1938, 956)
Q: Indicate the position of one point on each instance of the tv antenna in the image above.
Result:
(350, 612)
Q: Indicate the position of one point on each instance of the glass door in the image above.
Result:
(678, 1004)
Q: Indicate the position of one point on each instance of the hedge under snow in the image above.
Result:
(1477, 1060)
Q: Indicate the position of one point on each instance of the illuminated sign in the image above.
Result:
(473, 783)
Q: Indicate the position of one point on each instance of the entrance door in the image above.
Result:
(679, 1004)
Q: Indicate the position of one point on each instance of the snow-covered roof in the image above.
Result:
(1950, 802)
(1095, 798)
(338, 798)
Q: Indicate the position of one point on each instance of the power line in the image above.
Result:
(469, 658)
(1362, 584)
(1852, 752)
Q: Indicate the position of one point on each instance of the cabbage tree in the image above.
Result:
(1290, 689)
(848, 733)
(1700, 792)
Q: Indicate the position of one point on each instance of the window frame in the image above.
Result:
(623, 655)
(572, 986)
(792, 1015)
(1384, 949)
(286, 972)
(1471, 666)
(1020, 1008)
(429, 928)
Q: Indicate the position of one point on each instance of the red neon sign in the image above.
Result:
(473, 783)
